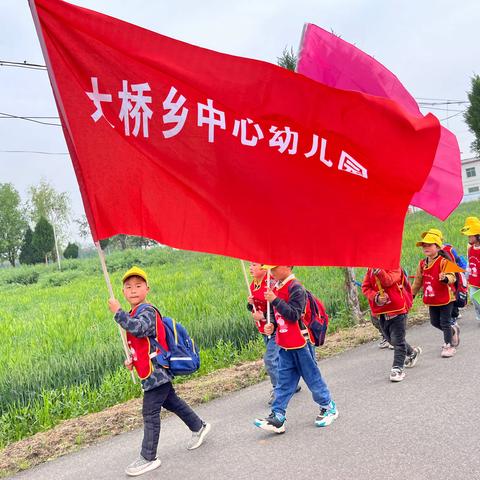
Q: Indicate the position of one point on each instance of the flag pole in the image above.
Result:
(268, 303)
(247, 282)
(110, 291)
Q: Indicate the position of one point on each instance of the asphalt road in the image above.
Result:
(426, 427)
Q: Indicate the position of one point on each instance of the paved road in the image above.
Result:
(427, 427)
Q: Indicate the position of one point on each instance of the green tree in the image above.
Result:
(288, 59)
(46, 202)
(12, 223)
(71, 251)
(43, 240)
(28, 255)
(472, 115)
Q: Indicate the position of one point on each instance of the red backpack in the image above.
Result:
(315, 318)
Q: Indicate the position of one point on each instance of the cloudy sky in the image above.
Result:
(431, 45)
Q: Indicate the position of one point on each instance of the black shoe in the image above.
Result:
(273, 423)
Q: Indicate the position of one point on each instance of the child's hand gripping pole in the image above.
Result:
(123, 335)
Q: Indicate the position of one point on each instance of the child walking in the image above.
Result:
(472, 231)
(142, 323)
(390, 302)
(258, 288)
(437, 291)
(296, 360)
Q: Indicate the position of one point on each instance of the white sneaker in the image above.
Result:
(412, 360)
(397, 374)
(198, 437)
(448, 351)
(142, 465)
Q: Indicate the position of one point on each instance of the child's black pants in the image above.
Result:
(153, 401)
(394, 331)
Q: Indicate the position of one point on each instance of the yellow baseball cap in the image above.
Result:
(134, 272)
(435, 231)
(469, 221)
(268, 267)
(430, 238)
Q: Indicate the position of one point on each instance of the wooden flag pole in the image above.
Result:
(247, 282)
(123, 335)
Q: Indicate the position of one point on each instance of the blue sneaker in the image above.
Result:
(275, 422)
(327, 415)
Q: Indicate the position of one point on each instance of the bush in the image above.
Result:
(19, 276)
(71, 251)
(58, 279)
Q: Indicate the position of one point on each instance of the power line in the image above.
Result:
(34, 151)
(451, 116)
(24, 64)
(30, 119)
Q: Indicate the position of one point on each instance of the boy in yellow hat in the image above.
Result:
(142, 323)
(437, 289)
(472, 231)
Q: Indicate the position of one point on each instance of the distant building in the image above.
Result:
(471, 178)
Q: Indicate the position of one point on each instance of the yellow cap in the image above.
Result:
(135, 272)
(472, 229)
(435, 231)
(469, 221)
(268, 267)
(430, 238)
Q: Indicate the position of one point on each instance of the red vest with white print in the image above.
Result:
(396, 301)
(289, 335)
(258, 293)
(435, 292)
(474, 266)
(141, 350)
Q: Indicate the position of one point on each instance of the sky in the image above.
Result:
(432, 46)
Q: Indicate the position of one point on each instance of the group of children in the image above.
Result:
(278, 306)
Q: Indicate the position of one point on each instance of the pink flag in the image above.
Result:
(332, 61)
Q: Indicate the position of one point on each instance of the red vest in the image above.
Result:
(474, 266)
(258, 292)
(435, 292)
(448, 250)
(396, 301)
(289, 335)
(141, 349)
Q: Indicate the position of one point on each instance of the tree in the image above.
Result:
(46, 202)
(71, 251)
(288, 59)
(28, 255)
(472, 115)
(12, 223)
(43, 240)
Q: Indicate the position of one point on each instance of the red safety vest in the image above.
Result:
(435, 292)
(258, 292)
(474, 266)
(395, 305)
(141, 350)
(289, 334)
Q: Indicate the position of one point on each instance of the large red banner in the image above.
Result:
(222, 154)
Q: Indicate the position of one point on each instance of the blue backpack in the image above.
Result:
(183, 357)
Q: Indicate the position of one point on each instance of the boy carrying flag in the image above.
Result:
(296, 358)
(142, 323)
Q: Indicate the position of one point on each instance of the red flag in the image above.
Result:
(222, 154)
